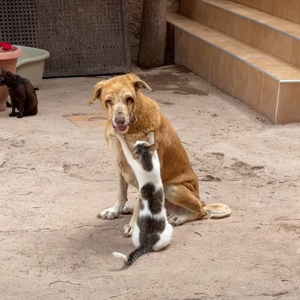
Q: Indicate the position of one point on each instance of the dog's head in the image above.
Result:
(6, 77)
(120, 99)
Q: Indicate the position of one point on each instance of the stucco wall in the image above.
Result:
(134, 16)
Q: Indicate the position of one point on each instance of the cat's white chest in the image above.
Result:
(145, 212)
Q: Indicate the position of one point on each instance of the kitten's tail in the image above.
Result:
(134, 255)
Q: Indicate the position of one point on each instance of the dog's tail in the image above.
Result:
(217, 210)
(120, 255)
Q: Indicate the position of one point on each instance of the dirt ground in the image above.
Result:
(55, 177)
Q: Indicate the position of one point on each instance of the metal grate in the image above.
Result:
(83, 37)
(18, 22)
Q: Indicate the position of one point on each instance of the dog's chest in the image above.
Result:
(121, 161)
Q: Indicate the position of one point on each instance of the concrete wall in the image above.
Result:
(134, 16)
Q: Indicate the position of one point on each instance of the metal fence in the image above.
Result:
(84, 37)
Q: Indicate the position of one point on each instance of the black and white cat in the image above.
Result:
(152, 231)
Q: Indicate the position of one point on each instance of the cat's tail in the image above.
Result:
(8, 104)
(134, 255)
(217, 210)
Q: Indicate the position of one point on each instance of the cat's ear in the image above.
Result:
(135, 155)
(153, 147)
(9, 74)
(3, 71)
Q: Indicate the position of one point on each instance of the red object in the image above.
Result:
(5, 46)
(8, 60)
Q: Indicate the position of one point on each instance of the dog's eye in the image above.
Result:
(129, 100)
(108, 103)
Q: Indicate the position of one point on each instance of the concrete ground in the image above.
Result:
(55, 177)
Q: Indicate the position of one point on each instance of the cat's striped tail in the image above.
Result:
(133, 256)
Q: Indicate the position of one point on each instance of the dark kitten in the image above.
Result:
(22, 94)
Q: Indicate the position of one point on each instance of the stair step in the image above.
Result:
(267, 84)
(287, 9)
(274, 35)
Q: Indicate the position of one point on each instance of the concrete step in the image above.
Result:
(267, 84)
(286, 9)
(272, 34)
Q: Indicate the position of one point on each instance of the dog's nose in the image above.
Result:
(120, 120)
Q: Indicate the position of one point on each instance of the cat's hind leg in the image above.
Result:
(21, 107)
(165, 238)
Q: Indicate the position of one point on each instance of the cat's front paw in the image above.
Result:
(150, 137)
(12, 114)
(118, 134)
(19, 116)
(113, 131)
(127, 230)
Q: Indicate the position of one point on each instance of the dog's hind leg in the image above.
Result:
(128, 209)
(114, 212)
(180, 195)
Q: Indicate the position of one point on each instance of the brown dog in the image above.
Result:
(135, 115)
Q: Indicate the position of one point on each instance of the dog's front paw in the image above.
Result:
(19, 116)
(127, 230)
(12, 114)
(109, 214)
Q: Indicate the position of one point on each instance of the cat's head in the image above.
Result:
(6, 77)
(143, 149)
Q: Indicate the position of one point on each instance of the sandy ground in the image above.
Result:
(55, 177)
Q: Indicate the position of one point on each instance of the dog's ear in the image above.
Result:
(138, 83)
(96, 92)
